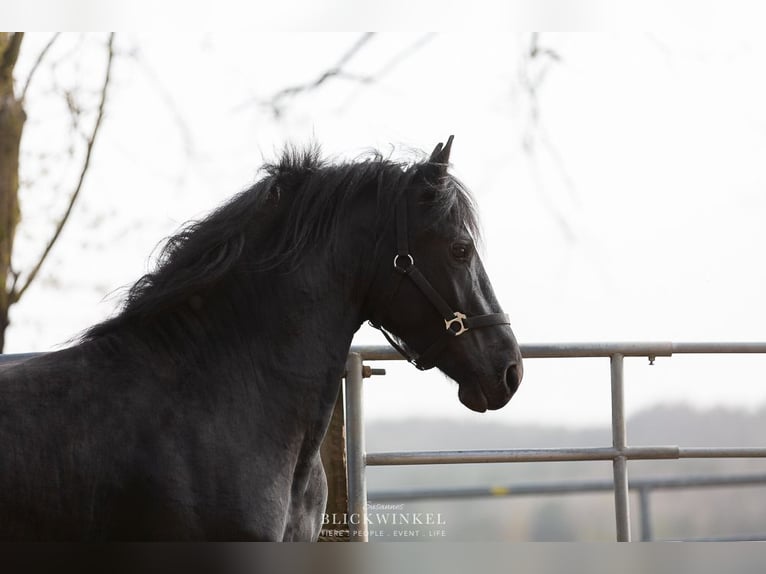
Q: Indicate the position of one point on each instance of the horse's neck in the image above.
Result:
(284, 334)
(282, 331)
(291, 346)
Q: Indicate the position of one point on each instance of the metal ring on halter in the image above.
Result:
(403, 269)
(457, 320)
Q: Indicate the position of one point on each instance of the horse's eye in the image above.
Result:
(461, 251)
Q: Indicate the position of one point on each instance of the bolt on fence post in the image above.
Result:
(357, 481)
(620, 462)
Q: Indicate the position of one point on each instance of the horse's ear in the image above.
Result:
(446, 151)
(435, 154)
(440, 155)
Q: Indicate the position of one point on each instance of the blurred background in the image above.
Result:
(619, 178)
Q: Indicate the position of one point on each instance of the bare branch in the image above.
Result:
(389, 66)
(535, 65)
(358, 45)
(559, 163)
(335, 71)
(404, 54)
(558, 215)
(16, 295)
(170, 103)
(15, 278)
(38, 61)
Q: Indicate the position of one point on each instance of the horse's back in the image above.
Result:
(59, 454)
(96, 448)
(72, 428)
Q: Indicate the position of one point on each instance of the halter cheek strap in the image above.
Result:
(455, 322)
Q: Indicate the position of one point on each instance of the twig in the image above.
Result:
(170, 103)
(531, 82)
(38, 61)
(335, 71)
(404, 54)
(561, 219)
(558, 160)
(392, 63)
(15, 278)
(358, 45)
(16, 295)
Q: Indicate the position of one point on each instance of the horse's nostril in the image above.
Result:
(513, 377)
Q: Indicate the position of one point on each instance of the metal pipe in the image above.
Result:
(620, 462)
(646, 518)
(531, 489)
(548, 350)
(568, 487)
(716, 348)
(721, 452)
(735, 538)
(518, 455)
(557, 455)
(626, 349)
(565, 350)
(357, 482)
(377, 353)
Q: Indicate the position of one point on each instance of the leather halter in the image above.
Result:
(456, 323)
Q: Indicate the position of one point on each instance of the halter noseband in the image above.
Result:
(455, 322)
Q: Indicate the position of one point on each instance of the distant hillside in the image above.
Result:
(674, 424)
(675, 513)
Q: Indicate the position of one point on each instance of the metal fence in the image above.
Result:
(619, 452)
(644, 487)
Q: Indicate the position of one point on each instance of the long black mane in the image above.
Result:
(299, 203)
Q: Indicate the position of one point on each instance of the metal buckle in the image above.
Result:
(459, 320)
(403, 269)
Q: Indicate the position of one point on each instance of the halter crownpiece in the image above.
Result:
(455, 322)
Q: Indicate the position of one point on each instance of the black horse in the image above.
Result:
(197, 412)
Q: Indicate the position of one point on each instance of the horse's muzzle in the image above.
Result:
(513, 375)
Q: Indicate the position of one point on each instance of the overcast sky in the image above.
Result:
(633, 208)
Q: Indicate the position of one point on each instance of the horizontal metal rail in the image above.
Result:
(735, 538)
(568, 350)
(557, 455)
(566, 487)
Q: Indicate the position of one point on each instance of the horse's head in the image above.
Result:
(433, 298)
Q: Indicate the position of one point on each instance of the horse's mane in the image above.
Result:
(298, 204)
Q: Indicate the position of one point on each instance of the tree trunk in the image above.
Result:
(333, 454)
(12, 119)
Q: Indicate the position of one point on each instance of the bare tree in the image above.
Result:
(12, 118)
(536, 63)
(14, 284)
(278, 101)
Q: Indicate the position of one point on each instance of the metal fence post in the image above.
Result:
(646, 517)
(620, 462)
(357, 482)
